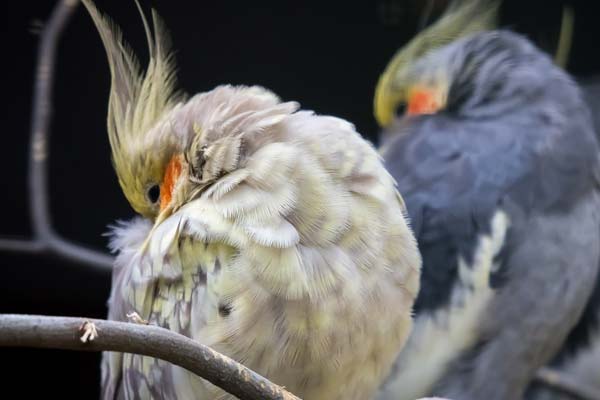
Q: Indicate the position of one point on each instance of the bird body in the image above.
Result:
(277, 238)
(501, 184)
(262, 268)
(579, 357)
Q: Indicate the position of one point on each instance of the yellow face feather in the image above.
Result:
(396, 82)
(138, 100)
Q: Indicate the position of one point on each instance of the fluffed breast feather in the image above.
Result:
(299, 263)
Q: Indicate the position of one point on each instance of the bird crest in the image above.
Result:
(137, 99)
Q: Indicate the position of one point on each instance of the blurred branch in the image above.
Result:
(66, 333)
(565, 383)
(45, 240)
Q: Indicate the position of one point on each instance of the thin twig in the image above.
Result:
(65, 333)
(565, 383)
(45, 239)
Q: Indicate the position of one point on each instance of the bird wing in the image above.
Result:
(302, 246)
(452, 192)
(584, 335)
(506, 216)
(177, 284)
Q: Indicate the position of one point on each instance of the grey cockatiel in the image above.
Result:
(498, 163)
(273, 235)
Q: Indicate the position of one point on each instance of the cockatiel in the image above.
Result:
(498, 163)
(273, 235)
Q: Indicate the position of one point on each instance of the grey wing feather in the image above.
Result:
(158, 294)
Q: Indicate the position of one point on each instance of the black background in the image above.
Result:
(326, 55)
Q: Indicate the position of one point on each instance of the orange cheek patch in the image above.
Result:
(422, 101)
(168, 184)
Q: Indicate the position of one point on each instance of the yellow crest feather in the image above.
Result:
(138, 99)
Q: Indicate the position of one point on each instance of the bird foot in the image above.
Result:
(136, 319)
(89, 332)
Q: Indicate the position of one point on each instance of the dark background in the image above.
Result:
(326, 55)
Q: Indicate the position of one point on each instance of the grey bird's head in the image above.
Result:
(461, 64)
(418, 77)
(485, 75)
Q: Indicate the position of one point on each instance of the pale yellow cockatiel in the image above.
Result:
(273, 235)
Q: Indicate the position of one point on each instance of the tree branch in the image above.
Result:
(65, 333)
(45, 240)
(565, 383)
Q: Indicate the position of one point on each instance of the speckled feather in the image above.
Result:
(279, 238)
(299, 263)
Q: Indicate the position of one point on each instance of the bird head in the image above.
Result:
(417, 82)
(167, 151)
(145, 154)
